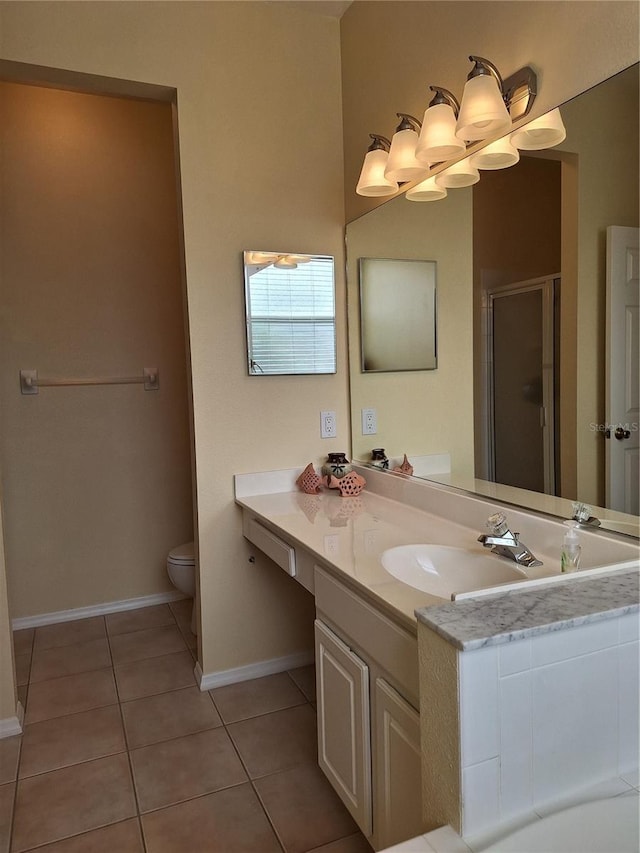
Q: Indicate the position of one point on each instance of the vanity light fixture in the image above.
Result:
(497, 155)
(461, 174)
(543, 132)
(427, 190)
(438, 141)
(483, 111)
(402, 164)
(372, 181)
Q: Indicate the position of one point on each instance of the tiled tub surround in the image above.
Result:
(542, 698)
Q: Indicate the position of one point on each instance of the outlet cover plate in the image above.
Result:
(328, 424)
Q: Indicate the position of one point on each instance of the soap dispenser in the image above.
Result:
(571, 550)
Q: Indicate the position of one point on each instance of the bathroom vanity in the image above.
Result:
(413, 712)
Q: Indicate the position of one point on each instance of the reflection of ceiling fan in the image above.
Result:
(265, 259)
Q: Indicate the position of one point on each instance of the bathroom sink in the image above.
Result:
(442, 570)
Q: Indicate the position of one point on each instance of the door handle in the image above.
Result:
(621, 433)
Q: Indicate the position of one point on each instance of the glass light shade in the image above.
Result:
(543, 132)
(372, 181)
(286, 263)
(461, 174)
(497, 155)
(437, 141)
(402, 164)
(482, 112)
(426, 191)
(259, 258)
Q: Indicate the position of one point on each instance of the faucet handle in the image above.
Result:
(497, 523)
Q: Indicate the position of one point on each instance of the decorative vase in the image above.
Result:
(336, 466)
(405, 468)
(379, 459)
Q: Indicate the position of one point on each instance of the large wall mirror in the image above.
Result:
(523, 397)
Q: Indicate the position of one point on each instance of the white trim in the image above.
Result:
(95, 610)
(12, 725)
(209, 680)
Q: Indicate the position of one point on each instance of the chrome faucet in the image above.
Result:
(502, 541)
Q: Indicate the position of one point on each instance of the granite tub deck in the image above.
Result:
(515, 615)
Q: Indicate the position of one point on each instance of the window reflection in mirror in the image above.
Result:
(290, 313)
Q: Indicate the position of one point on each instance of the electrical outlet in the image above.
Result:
(327, 424)
(369, 422)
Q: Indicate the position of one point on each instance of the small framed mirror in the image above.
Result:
(397, 315)
(290, 313)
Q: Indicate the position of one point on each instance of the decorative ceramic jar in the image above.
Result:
(379, 459)
(336, 466)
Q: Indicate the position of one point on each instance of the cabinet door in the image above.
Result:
(344, 723)
(398, 772)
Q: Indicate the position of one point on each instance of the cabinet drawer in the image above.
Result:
(385, 642)
(279, 551)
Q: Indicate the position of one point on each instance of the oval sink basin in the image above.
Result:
(442, 570)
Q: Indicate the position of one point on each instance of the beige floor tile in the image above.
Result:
(154, 675)
(305, 678)
(257, 696)
(70, 633)
(52, 744)
(149, 643)
(123, 837)
(6, 813)
(9, 753)
(177, 770)
(69, 660)
(23, 641)
(229, 821)
(351, 844)
(70, 695)
(190, 639)
(73, 800)
(304, 809)
(182, 609)
(168, 715)
(139, 620)
(23, 669)
(276, 741)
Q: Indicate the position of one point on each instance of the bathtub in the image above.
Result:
(610, 825)
(601, 826)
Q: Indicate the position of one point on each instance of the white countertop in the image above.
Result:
(349, 535)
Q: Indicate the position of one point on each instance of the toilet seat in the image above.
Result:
(182, 555)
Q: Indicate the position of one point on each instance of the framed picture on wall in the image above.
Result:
(397, 315)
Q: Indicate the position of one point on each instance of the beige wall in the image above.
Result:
(425, 411)
(97, 480)
(393, 51)
(259, 113)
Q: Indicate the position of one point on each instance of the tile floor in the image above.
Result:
(122, 753)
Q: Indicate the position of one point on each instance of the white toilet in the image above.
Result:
(181, 568)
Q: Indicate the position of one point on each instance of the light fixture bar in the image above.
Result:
(520, 90)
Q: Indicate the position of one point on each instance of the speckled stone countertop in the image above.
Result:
(510, 616)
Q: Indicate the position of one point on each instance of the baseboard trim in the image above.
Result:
(95, 610)
(209, 680)
(12, 725)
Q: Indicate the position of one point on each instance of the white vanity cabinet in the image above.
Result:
(368, 728)
(367, 695)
